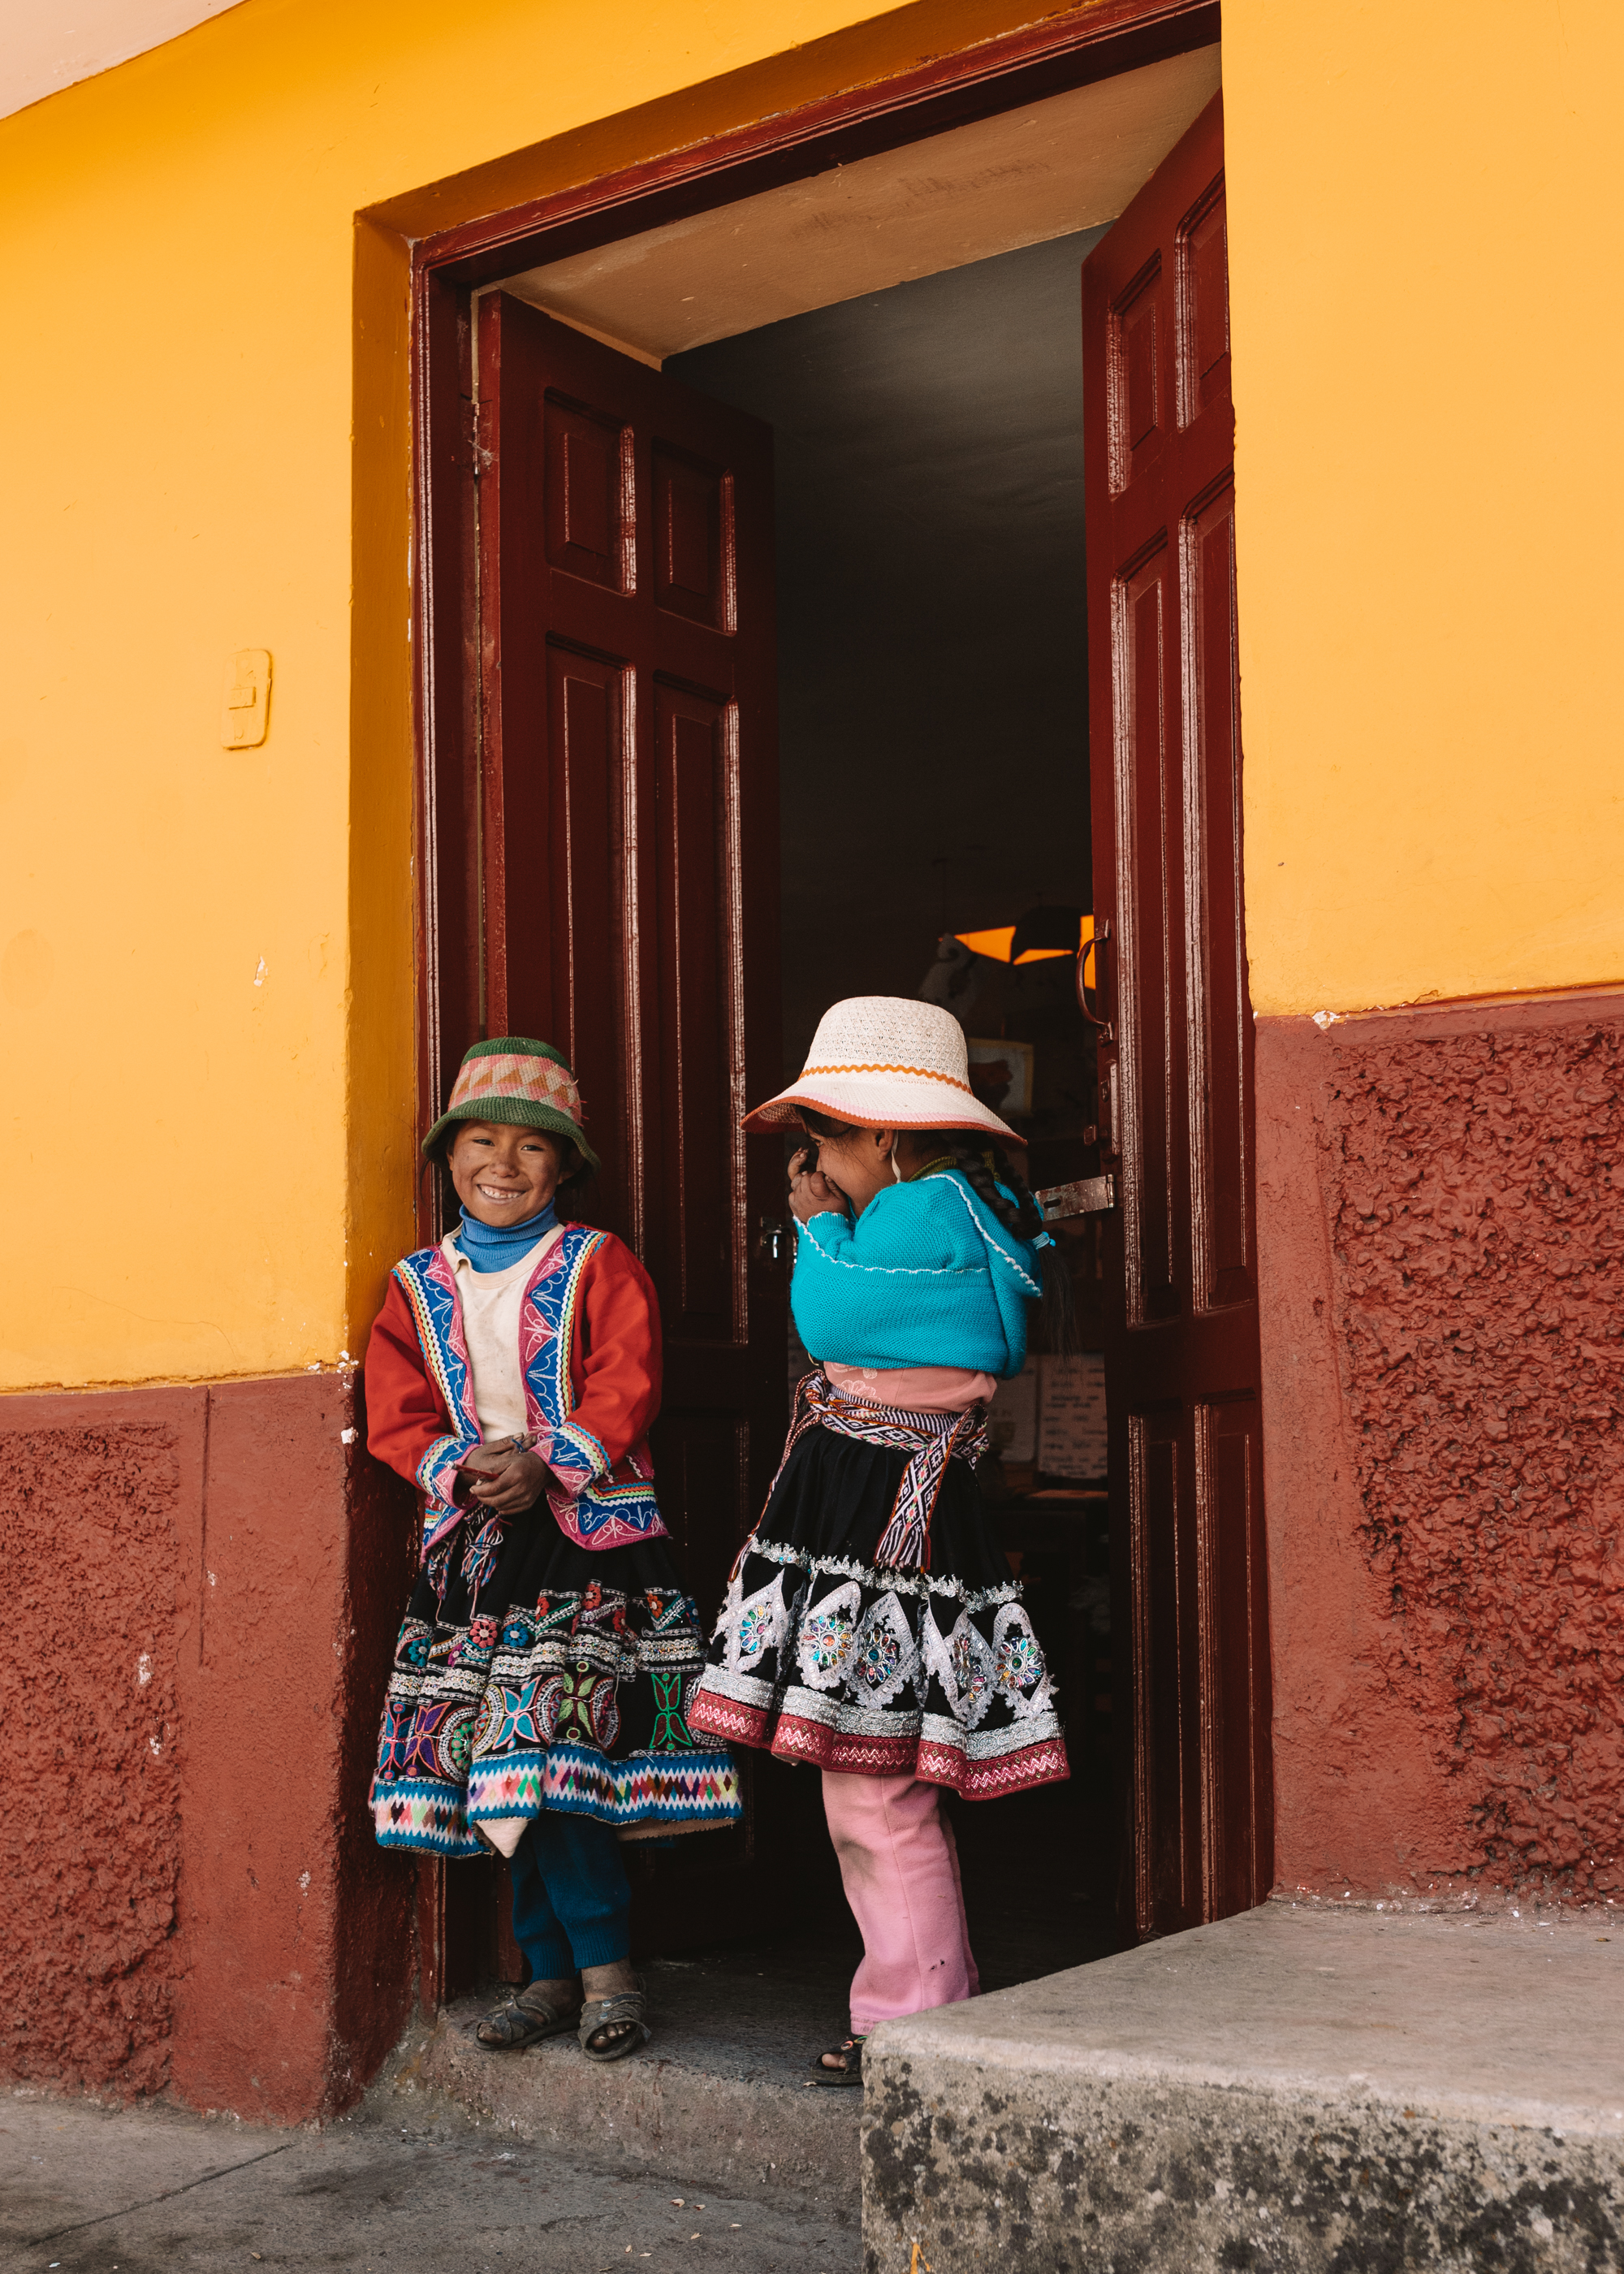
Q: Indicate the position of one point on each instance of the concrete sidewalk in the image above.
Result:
(461, 2161)
(154, 2191)
(1297, 2090)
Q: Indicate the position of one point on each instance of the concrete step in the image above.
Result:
(717, 2097)
(1296, 2091)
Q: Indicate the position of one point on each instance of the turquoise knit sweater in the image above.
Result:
(926, 1276)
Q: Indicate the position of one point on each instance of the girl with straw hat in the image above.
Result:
(871, 1624)
(549, 1650)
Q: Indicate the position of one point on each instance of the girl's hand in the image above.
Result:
(814, 1194)
(506, 1483)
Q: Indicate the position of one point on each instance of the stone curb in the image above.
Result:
(1193, 2179)
(1287, 2092)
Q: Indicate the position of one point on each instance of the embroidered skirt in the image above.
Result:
(564, 1683)
(822, 1655)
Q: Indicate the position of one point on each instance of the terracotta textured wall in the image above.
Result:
(207, 1583)
(1443, 1219)
(90, 1834)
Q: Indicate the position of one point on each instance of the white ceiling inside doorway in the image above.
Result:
(931, 614)
(1044, 171)
(45, 45)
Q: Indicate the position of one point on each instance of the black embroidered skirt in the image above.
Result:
(820, 1656)
(563, 1683)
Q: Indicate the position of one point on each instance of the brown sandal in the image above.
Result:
(525, 2020)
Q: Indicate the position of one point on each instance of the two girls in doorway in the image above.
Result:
(551, 1696)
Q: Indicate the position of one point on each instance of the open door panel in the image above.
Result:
(629, 868)
(1176, 1057)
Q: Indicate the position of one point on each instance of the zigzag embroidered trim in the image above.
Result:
(640, 1796)
(925, 1074)
(566, 1332)
(586, 1444)
(891, 1582)
(922, 1271)
(890, 1270)
(427, 1817)
(417, 1280)
(990, 1243)
(1043, 1764)
(443, 1453)
(790, 1738)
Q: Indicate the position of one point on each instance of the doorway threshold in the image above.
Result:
(718, 2097)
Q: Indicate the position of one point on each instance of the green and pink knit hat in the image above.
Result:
(522, 1082)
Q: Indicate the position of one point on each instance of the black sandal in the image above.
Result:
(616, 2012)
(850, 2071)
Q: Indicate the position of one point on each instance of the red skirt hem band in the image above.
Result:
(790, 1738)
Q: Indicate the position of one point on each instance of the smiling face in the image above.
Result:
(857, 1162)
(503, 1174)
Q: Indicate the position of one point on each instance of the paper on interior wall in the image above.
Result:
(1012, 1417)
(1071, 1423)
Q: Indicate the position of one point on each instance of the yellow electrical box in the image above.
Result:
(248, 699)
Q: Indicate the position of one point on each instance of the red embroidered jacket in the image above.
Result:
(419, 1405)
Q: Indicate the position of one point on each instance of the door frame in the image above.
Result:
(443, 267)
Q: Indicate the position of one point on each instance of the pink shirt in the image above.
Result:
(916, 1389)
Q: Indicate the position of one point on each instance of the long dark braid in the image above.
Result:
(984, 1168)
(984, 1165)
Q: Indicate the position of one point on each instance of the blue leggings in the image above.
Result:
(571, 1899)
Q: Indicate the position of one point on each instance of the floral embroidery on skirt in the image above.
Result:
(820, 1655)
(563, 1682)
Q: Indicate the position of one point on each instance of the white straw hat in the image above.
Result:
(885, 1062)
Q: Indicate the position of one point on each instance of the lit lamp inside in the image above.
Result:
(1000, 944)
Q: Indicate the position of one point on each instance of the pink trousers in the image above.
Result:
(900, 1870)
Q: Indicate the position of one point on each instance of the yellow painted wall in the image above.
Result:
(1428, 338)
(177, 948)
(204, 958)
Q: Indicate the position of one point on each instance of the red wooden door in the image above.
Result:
(630, 858)
(1176, 1097)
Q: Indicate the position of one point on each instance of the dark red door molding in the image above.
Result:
(492, 240)
(943, 91)
(1176, 1074)
(1074, 50)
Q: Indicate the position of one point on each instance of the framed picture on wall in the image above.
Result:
(1000, 1074)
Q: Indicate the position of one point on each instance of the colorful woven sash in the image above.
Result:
(932, 1440)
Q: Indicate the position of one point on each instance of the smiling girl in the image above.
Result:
(549, 1650)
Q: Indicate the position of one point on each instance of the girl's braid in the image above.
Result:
(983, 1170)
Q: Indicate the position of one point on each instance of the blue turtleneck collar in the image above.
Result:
(493, 1247)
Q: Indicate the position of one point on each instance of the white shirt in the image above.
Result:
(490, 1302)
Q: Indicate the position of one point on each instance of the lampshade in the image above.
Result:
(999, 944)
